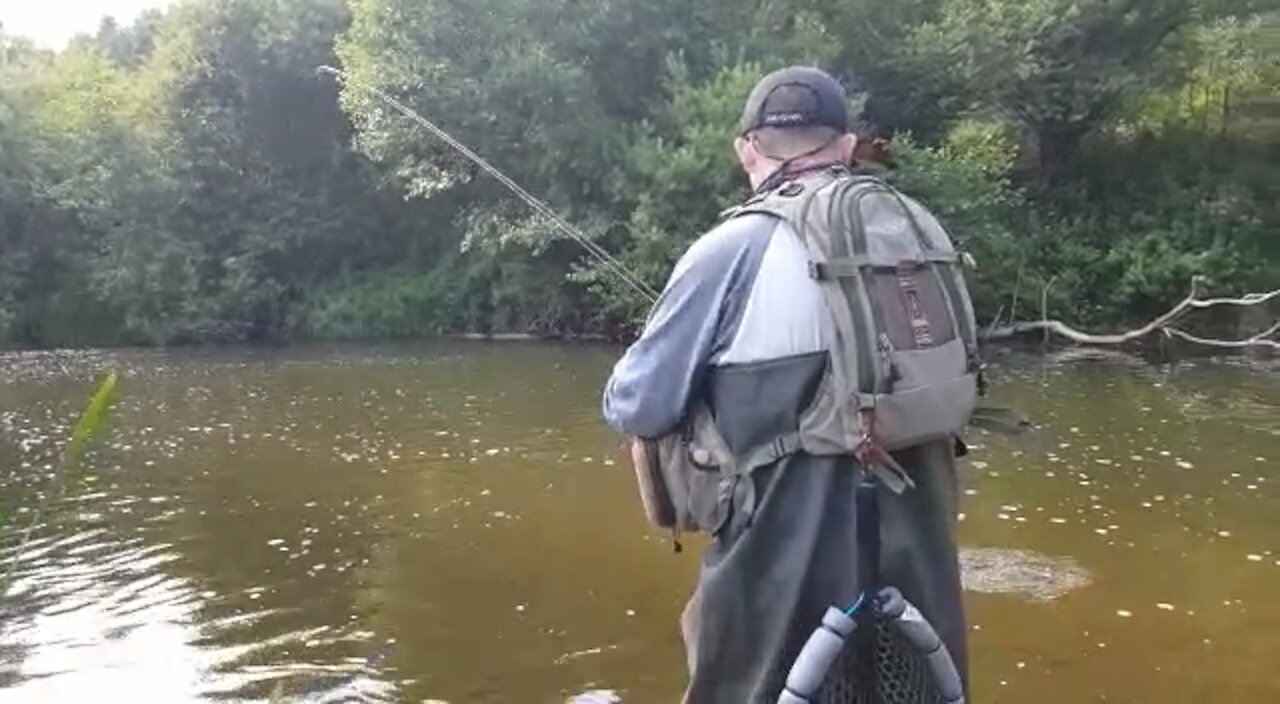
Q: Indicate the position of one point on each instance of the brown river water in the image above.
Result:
(454, 523)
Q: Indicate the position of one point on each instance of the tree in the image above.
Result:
(1057, 68)
(188, 177)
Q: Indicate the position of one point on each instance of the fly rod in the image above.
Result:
(610, 262)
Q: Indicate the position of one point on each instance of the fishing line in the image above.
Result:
(609, 261)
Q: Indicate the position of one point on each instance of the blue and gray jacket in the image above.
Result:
(739, 321)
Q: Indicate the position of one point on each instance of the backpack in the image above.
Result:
(904, 365)
(904, 368)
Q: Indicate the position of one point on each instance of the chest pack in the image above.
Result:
(903, 364)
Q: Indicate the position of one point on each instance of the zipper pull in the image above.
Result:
(888, 371)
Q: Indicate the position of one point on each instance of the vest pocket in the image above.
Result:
(915, 416)
(709, 501)
(911, 306)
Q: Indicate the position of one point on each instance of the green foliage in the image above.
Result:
(92, 421)
(1060, 68)
(685, 151)
(485, 292)
(390, 304)
(965, 182)
(188, 178)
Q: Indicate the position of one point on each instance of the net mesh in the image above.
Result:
(878, 667)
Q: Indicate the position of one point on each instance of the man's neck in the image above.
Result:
(791, 170)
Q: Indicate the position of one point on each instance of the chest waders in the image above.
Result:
(877, 602)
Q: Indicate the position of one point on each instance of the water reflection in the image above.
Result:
(452, 524)
(89, 613)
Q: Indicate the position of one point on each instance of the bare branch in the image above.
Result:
(995, 321)
(1249, 299)
(1161, 324)
(1044, 304)
(1017, 288)
(1259, 340)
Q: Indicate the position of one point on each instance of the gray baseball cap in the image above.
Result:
(798, 96)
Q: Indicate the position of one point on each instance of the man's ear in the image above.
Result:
(748, 158)
(848, 145)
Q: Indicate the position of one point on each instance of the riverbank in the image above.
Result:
(1153, 350)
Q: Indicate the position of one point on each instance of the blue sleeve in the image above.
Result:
(649, 390)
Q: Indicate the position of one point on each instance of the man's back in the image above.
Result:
(741, 327)
(744, 329)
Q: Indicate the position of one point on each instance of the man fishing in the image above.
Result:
(745, 327)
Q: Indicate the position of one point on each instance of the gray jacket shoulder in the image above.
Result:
(740, 240)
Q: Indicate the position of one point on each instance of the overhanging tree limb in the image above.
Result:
(1164, 324)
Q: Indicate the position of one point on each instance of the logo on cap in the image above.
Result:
(775, 119)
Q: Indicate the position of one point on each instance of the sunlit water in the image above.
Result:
(453, 523)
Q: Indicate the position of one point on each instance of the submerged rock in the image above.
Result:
(1024, 573)
(596, 696)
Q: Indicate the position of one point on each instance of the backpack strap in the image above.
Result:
(851, 267)
(767, 454)
(875, 379)
(853, 344)
(852, 351)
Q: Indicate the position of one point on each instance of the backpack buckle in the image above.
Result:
(817, 270)
(791, 189)
(869, 449)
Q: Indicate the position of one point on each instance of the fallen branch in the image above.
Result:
(995, 321)
(1160, 324)
(1044, 305)
(1259, 340)
(1249, 299)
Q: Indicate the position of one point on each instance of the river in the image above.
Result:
(453, 523)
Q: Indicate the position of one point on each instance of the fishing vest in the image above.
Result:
(903, 366)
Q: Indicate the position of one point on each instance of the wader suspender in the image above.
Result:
(868, 539)
(868, 531)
